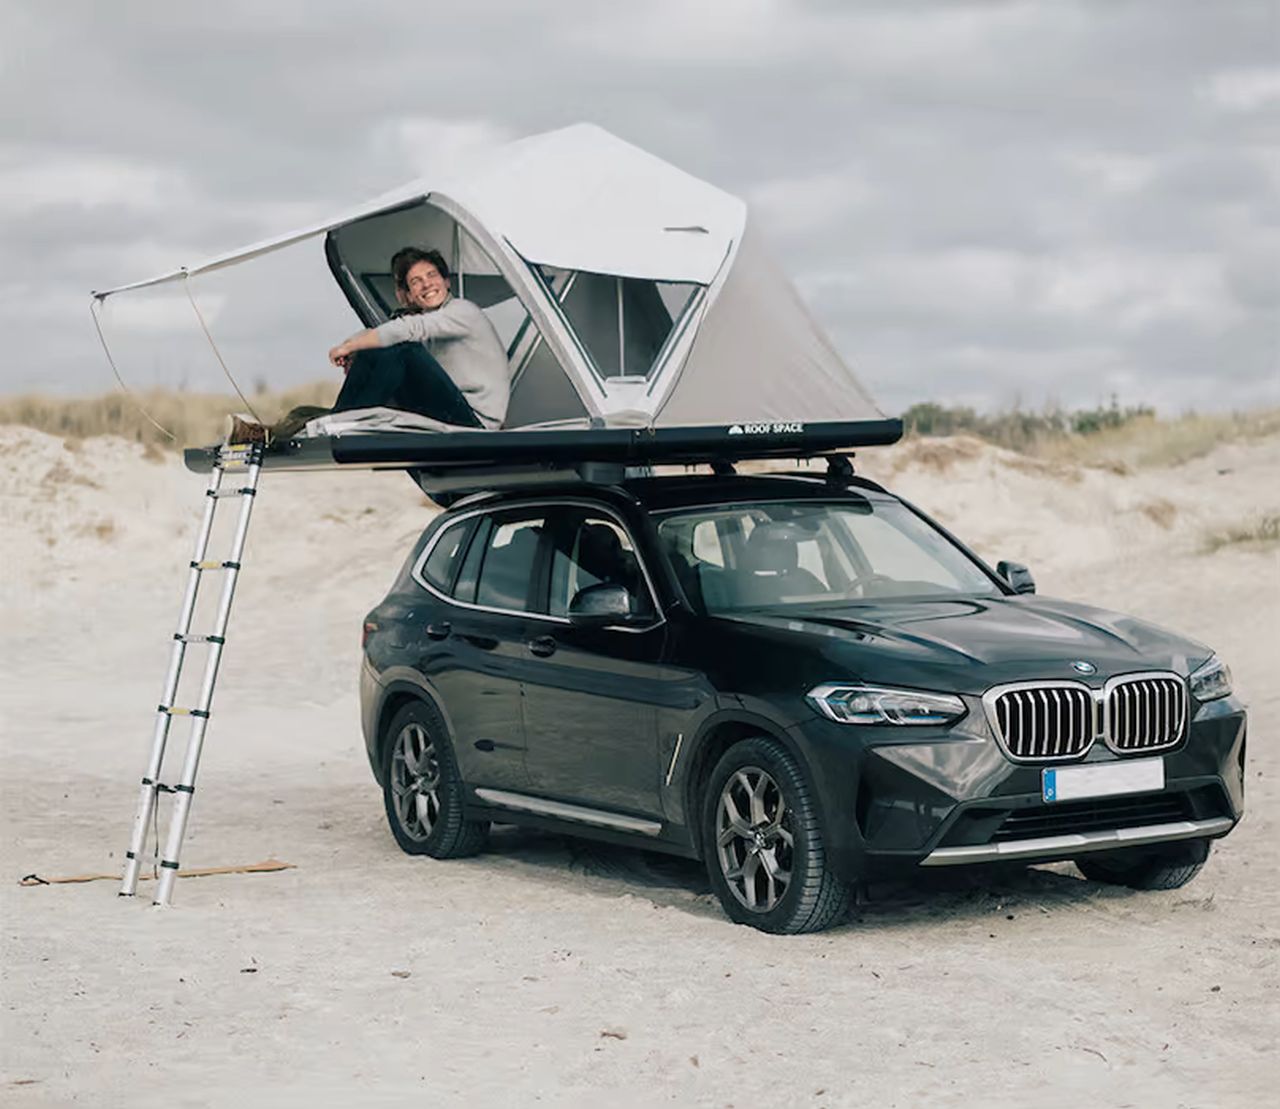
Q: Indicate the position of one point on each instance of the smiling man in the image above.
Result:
(441, 358)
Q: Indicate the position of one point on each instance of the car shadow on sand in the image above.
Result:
(968, 893)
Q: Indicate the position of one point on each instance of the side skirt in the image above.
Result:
(578, 814)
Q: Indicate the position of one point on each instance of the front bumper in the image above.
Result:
(898, 798)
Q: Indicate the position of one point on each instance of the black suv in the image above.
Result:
(803, 681)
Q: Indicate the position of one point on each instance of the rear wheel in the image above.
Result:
(1167, 867)
(763, 842)
(422, 789)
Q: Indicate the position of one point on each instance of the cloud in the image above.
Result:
(431, 145)
(32, 180)
(795, 205)
(1244, 90)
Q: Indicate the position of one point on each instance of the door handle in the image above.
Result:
(543, 646)
(439, 631)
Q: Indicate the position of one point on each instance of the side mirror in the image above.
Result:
(1017, 575)
(599, 606)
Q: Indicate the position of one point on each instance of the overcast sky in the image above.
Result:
(983, 202)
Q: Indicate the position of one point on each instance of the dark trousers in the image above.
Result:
(407, 378)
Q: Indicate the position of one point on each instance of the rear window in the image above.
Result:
(441, 564)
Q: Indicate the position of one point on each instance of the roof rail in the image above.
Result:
(446, 486)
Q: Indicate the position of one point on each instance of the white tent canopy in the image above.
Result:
(628, 292)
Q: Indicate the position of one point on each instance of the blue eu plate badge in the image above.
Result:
(1050, 785)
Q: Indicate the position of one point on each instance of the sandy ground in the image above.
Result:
(548, 970)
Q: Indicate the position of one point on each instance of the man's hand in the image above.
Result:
(341, 354)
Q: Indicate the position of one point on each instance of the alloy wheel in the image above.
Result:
(415, 781)
(754, 840)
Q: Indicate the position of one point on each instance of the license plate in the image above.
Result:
(1101, 779)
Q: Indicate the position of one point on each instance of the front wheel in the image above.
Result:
(1167, 867)
(763, 842)
(422, 789)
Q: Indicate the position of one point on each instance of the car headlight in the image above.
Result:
(1211, 681)
(868, 704)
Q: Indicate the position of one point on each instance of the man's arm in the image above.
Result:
(361, 340)
(451, 321)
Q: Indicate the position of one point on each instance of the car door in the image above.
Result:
(476, 643)
(590, 705)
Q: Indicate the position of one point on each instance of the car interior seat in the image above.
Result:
(770, 569)
(690, 578)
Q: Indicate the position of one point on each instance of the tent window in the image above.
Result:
(622, 323)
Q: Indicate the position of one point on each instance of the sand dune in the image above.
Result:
(553, 968)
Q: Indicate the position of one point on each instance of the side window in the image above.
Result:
(442, 562)
(595, 550)
(507, 563)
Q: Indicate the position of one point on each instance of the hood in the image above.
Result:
(966, 645)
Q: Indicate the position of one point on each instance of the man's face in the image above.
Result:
(424, 287)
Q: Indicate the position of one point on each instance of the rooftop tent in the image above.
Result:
(629, 294)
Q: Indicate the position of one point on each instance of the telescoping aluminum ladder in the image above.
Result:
(246, 462)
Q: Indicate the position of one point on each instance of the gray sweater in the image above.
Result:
(460, 337)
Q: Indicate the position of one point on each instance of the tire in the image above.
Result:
(422, 789)
(745, 843)
(1153, 868)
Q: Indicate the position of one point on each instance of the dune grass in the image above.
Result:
(193, 419)
(1151, 442)
(1262, 531)
(1113, 438)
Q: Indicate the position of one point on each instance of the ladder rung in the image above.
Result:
(215, 564)
(240, 456)
(173, 710)
(218, 639)
(243, 491)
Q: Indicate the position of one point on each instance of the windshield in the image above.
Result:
(801, 555)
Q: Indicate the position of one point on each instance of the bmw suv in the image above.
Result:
(804, 682)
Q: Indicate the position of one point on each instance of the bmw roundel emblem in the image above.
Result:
(1082, 667)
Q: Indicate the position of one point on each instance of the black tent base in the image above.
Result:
(533, 455)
